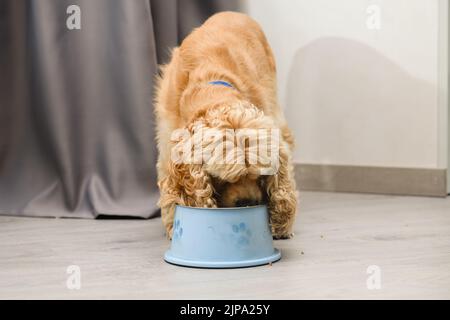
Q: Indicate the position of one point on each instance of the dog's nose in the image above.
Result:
(246, 202)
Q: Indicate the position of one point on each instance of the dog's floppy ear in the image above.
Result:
(187, 182)
(192, 184)
(282, 195)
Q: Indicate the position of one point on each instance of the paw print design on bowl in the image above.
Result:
(177, 230)
(242, 233)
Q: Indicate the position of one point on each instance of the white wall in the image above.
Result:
(356, 96)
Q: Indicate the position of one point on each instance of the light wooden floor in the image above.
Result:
(339, 234)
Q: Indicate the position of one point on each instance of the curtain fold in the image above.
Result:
(76, 116)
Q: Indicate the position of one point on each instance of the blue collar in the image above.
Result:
(221, 83)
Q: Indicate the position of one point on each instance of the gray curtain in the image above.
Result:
(76, 115)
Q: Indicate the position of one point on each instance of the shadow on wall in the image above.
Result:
(354, 106)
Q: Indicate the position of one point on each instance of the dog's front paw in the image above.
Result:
(282, 235)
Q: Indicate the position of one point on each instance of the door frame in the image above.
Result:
(443, 114)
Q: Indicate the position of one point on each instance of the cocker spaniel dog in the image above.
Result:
(222, 137)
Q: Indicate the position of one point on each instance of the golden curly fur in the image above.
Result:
(230, 47)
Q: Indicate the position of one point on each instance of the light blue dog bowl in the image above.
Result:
(221, 238)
